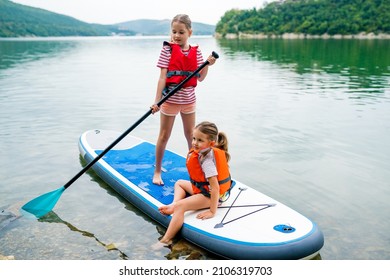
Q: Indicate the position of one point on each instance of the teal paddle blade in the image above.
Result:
(43, 204)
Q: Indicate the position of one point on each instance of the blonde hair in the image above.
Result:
(183, 18)
(220, 138)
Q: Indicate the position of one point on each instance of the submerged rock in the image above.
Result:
(6, 257)
(9, 213)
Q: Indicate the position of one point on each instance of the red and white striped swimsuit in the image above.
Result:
(185, 95)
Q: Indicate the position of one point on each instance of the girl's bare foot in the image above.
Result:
(157, 180)
(167, 209)
(160, 245)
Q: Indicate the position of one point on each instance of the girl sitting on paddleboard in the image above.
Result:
(210, 181)
(178, 59)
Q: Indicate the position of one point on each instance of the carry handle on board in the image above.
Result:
(43, 204)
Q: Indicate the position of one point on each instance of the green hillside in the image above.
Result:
(313, 17)
(19, 20)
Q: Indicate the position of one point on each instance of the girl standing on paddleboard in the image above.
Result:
(178, 59)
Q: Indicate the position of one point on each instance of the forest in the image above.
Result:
(311, 17)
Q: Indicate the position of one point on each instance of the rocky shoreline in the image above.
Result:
(302, 36)
(6, 257)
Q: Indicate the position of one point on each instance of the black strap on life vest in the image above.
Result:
(180, 73)
(205, 192)
(201, 184)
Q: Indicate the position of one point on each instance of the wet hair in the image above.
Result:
(182, 18)
(220, 138)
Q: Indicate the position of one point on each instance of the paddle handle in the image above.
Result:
(131, 128)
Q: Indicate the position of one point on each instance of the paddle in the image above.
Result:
(43, 204)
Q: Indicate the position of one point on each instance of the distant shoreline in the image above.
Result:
(163, 36)
(302, 36)
(361, 36)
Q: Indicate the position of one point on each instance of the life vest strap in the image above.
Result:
(205, 192)
(201, 184)
(180, 73)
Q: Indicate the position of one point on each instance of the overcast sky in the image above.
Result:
(116, 11)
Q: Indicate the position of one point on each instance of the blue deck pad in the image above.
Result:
(137, 165)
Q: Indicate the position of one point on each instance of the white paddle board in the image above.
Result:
(249, 225)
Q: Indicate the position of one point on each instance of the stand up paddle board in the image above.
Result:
(248, 225)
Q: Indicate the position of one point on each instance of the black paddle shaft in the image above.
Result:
(131, 128)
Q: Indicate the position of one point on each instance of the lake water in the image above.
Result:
(308, 123)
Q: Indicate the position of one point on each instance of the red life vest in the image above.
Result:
(197, 177)
(181, 65)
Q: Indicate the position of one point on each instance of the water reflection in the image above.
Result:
(52, 217)
(359, 66)
(14, 51)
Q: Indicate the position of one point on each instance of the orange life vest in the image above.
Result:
(181, 65)
(197, 177)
